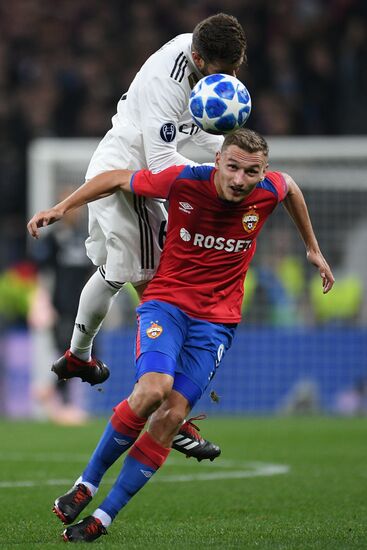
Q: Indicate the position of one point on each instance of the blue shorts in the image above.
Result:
(193, 349)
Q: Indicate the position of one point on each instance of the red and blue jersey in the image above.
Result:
(210, 242)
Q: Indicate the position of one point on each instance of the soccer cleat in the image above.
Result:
(68, 507)
(70, 366)
(86, 530)
(189, 442)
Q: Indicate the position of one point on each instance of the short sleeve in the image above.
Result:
(279, 183)
(145, 183)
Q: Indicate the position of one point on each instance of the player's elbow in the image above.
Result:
(163, 160)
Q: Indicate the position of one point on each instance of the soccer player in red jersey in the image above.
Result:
(189, 311)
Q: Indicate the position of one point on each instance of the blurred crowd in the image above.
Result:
(64, 65)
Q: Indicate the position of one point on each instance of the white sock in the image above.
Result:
(92, 488)
(95, 301)
(103, 517)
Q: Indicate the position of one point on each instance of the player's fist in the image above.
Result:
(41, 219)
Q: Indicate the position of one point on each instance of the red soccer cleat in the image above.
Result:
(70, 366)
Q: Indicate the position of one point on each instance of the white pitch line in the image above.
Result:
(262, 470)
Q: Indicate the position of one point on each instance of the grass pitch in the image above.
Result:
(280, 483)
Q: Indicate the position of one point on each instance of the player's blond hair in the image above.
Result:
(246, 139)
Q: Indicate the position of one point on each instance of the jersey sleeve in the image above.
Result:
(162, 102)
(148, 184)
(279, 183)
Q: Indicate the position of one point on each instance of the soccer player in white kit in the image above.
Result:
(152, 129)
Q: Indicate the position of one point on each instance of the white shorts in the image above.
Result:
(125, 230)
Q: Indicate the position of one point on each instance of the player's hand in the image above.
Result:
(318, 260)
(41, 219)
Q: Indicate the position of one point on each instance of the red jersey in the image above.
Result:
(210, 242)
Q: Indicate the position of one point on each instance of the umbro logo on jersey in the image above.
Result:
(185, 207)
(147, 473)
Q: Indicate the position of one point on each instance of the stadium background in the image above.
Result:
(61, 74)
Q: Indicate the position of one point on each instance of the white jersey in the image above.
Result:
(152, 129)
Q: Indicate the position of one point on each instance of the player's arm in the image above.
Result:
(162, 104)
(296, 207)
(100, 186)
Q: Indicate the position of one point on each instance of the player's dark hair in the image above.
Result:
(246, 139)
(220, 37)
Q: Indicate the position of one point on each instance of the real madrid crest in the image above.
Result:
(154, 330)
(250, 220)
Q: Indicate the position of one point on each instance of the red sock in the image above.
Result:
(125, 421)
(148, 451)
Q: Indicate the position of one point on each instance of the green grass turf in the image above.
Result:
(321, 503)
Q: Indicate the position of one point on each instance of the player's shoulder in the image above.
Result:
(202, 172)
(275, 183)
(172, 59)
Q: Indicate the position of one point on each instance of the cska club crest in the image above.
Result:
(154, 330)
(250, 220)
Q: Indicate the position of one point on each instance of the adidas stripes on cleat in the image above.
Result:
(87, 530)
(68, 507)
(189, 442)
(70, 366)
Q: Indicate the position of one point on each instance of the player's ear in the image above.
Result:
(198, 60)
(217, 158)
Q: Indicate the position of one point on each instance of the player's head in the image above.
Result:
(219, 45)
(241, 164)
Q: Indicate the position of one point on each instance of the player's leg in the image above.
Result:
(144, 458)
(196, 366)
(119, 435)
(95, 301)
(187, 439)
(126, 236)
(148, 453)
(154, 376)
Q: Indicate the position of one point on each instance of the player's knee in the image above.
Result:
(165, 423)
(151, 396)
(174, 418)
(158, 394)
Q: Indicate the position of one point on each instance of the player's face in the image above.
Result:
(221, 67)
(214, 67)
(238, 173)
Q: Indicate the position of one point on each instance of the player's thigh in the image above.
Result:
(125, 231)
(201, 355)
(161, 329)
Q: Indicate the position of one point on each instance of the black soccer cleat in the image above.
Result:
(87, 530)
(70, 366)
(68, 507)
(189, 442)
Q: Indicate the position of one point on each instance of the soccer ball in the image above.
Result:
(219, 103)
